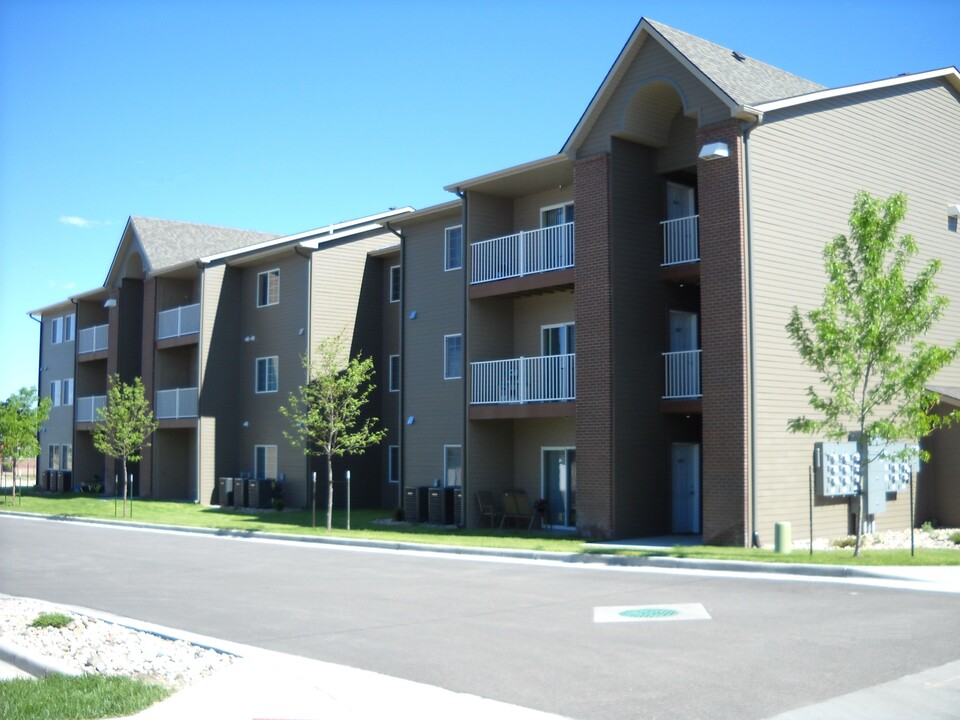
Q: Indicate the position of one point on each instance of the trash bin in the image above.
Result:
(226, 492)
(415, 504)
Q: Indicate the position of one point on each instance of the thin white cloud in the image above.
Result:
(81, 222)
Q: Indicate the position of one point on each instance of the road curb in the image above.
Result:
(33, 663)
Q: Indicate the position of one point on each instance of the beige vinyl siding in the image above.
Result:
(531, 436)
(527, 209)
(652, 63)
(804, 172)
(532, 313)
(437, 299)
(681, 149)
(56, 363)
(219, 426)
(390, 404)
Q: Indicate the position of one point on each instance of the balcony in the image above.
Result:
(681, 242)
(87, 407)
(180, 321)
(682, 375)
(550, 378)
(93, 339)
(177, 403)
(528, 252)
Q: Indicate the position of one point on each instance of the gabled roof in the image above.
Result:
(737, 80)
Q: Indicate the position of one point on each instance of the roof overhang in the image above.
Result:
(950, 74)
(548, 172)
(948, 395)
(428, 213)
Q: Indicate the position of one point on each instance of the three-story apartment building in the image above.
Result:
(603, 328)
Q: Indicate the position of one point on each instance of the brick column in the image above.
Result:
(593, 279)
(725, 464)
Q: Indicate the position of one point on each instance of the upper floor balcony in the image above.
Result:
(93, 339)
(176, 403)
(527, 252)
(549, 378)
(88, 406)
(179, 321)
(682, 375)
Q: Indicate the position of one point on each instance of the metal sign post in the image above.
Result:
(348, 499)
(314, 498)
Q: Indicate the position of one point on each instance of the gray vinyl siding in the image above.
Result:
(389, 412)
(652, 63)
(531, 436)
(275, 331)
(56, 363)
(527, 209)
(532, 313)
(804, 171)
(437, 299)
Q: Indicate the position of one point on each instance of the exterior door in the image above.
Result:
(559, 485)
(683, 331)
(685, 464)
(681, 201)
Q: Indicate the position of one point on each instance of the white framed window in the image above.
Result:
(268, 287)
(452, 356)
(55, 393)
(556, 215)
(558, 339)
(69, 328)
(393, 464)
(67, 395)
(66, 457)
(267, 374)
(453, 248)
(452, 465)
(394, 283)
(56, 331)
(265, 462)
(394, 380)
(53, 459)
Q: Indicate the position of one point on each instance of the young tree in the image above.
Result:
(326, 412)
(21, 416)
(123, 425)
(865, 341)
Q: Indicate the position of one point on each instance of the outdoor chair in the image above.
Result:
(516, 506)
(488, 506)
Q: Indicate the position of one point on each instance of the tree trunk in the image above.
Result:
(329, 493)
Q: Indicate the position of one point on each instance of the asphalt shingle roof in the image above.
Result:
(746, 81)
(168, 243)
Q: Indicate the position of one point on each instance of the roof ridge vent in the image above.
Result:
(738, 56)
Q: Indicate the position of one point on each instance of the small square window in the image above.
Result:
(452, 356)
(267, 374)
(394, 379)
(395, 284)
(453, 248)
(268, 288)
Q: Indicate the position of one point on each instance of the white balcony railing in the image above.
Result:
(183, 320)
(93, 339)
(548, 378)
(523, 253)
(681, 241)
(87, 407)
(682, 371)
(176, 403)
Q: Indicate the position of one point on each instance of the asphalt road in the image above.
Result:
(519, 632)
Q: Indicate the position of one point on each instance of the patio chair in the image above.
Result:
(516, 506)
(488, 506)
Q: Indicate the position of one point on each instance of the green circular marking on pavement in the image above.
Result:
(648, 613)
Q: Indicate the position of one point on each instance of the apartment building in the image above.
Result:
(217, 322)
(603, 328)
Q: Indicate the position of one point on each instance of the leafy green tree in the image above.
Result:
(865, 341)
(123, 425)
(21, 416)
(326, 413)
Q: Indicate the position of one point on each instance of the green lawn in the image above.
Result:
(58, 697)
(375, 525)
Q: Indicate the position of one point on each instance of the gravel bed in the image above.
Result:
(93, 646)
(887, 540)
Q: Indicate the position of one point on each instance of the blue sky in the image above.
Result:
(285, 116)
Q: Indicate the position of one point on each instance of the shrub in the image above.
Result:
(844, 542)
(53, 620)
(955, 538)
(927, 527)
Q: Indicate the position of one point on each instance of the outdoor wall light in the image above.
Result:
(246, 423)
(411, 420)
(413, 314)
(953, 210)
(110, 302)
(712, 151)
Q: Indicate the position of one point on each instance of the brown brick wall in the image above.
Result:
(724, 361)
(594, 348)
